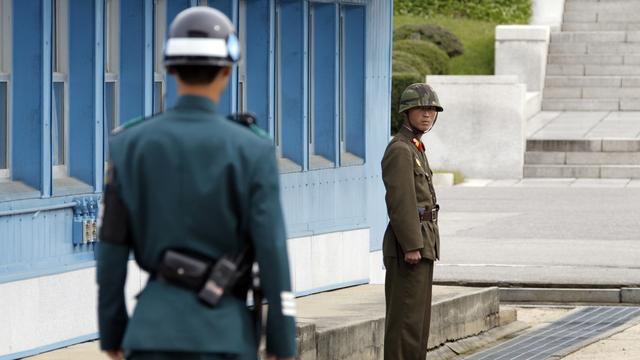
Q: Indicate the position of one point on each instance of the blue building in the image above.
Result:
(316, 72)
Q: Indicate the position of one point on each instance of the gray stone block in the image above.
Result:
(579, 16)
(631, 59)
(631, 81)
(544, 158)
(609, 92)
(633, 36)
(583, 81)
(306, 340)
(561, 171)
(612, 70)
(620, 172)
(570, 48)
(564, 145)
(591, 26)
(562, 93)
(617, 16)
(630, 104)
(507, 316)
(560, 295)
(615, 48)
(603, 158)
(589, 36)
(580, 105)
(586, 59)
(563, 69)
(630, 295)
(620, 145)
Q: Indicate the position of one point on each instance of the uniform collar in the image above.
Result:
(407, 133)
(195, 102)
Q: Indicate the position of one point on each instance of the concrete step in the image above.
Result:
(591, 93)
(583, 105)
(584, 145)
(594, 36)
(595, 48)
(608, 15)
(583, 171)
(581, 158)
(628, 5)
(593, 26)
(584, 59)
(587, 81)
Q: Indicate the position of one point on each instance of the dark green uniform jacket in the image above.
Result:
(191, 179)
(407, 179)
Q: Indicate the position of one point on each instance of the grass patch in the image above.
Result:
(478, 38)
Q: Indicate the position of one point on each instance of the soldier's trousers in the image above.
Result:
(172, 355)
(408, 312)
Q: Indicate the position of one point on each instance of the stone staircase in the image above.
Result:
(592, 93)
(594, 62)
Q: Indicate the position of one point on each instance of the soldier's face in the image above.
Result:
(422, 117)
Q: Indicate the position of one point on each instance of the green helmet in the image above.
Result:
(419, 95)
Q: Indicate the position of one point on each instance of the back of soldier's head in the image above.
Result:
(201, 42)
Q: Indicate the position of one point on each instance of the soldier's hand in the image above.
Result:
(413, 257)
(115, 354)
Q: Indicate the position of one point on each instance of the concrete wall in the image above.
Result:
(521, 50)
(547, 12)
(481, 132)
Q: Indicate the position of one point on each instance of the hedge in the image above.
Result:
(399, 82)
(438, 35)
(407, 59)
(497, 11)
(436, 59)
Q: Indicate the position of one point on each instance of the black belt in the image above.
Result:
(209, 279)
(429, 214)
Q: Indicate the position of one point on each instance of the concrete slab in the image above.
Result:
(539, 121)
(603, 183)
(634, 183)
(630, 295)
(548, 182)
(536, 295)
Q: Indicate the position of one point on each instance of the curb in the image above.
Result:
(627, 296)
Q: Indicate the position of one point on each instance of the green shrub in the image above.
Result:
(399, 82)
(498, 11)
(403, 67)
(438, 35)
(436, 59)
(408, 59)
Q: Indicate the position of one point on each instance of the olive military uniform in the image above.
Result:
(190, 179)
(412, 209)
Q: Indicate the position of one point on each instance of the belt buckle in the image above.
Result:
(434, 215)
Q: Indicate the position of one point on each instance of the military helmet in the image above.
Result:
(201, 36)
(419, 95)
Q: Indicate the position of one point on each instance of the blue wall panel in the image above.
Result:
(173, 8)
(82, 81)
(325, 78)
(136, 59)
(293, 79)
(227, 102)
(31, 90)
(258, 60)
(354, 79)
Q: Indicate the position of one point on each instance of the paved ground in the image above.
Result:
(584, 125)
(540, 231)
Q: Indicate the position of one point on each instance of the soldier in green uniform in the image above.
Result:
(411, 241)
(193, 195)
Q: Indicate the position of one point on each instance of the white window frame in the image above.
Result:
(159, 32)
(112, 62)
(60, 66)
(242, 65)
(5, 77)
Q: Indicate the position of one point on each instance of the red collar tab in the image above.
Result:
(418, 144)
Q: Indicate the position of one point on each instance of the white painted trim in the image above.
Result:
(376, 268)
(196, 47)
(52, 309)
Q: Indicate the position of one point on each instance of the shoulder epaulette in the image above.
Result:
(131, 123)
(248, 120)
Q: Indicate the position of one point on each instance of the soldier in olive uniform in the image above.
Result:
(411, 241)
(188, 192)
